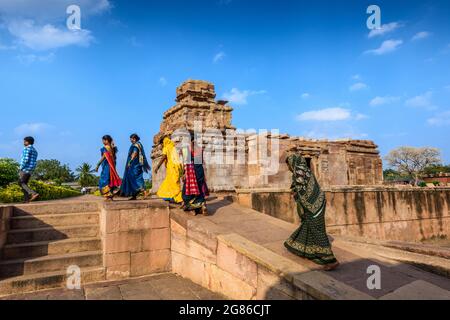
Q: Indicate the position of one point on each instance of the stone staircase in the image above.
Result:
(44, 240)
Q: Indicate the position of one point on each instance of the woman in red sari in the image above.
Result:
(109, 184)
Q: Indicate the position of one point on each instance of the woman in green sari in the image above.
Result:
(310, 240)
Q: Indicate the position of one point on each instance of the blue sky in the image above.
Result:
(308, 68)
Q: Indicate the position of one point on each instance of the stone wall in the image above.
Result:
(383, 213)
(5, 215)
(238, 268)
(136, 239)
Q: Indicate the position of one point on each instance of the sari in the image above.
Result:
(310, 240)
(195, 189)
(170, 189)
(109, 181)
(133, 179)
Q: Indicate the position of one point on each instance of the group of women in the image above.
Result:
(132, 184)
(185, 167)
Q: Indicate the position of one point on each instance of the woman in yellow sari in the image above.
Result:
(170, 189)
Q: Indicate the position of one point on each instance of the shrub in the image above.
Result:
(9, 171)
(13, 193)
(422, 184)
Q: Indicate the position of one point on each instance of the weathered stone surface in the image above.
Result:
(418, 290)
(190, 248)
(123, 242)
(117, 259)
(189, 268)
(148, 262)
(218, 280)
(323, 287)
(237, 264)
(118, 272)
(156, 239)
(273, 287)
(383, 213)
(103, 293)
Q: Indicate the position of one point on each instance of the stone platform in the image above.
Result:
(165, 286)
(241, 248)
(235, 252)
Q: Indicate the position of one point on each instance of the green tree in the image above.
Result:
(436, 169)
(9, 171)
(85, 176)
(53, 170)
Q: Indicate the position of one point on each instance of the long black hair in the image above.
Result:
(135, 136)
(108, 138)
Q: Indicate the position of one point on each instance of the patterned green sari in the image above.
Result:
(310, 240)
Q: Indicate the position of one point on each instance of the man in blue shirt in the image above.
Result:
(27, 166)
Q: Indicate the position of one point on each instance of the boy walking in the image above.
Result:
(27, 166)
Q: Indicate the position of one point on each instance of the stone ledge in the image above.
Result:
(140, 204)
(348, 189)
(314, 283)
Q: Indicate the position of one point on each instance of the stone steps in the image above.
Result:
(27, 266)
(43, 248)
(55, 220)
(47, 280)
(50, 233)
(38, 209)
(44, 239)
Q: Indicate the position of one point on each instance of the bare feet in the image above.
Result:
(204, 211)
(331, 267)
(34, 197)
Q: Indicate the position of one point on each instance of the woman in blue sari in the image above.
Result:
(109, 182)
(133, 178)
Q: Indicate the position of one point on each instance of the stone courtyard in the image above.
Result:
(165, 286)
(150, 250)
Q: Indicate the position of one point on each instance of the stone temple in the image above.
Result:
(335, 162)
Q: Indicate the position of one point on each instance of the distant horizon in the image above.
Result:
(311, 70)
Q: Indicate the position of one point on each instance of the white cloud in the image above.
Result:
(41, 25)
(305, 95)
(162, 81)
(358, 86)
(31, 58)
(239, 97)
(31, 128)
(379, 101)
(219, 56)
(441, 119)
(335, 134)
(356, 77)
(48, 36)
(421, 101)
(329, 114)
(386, 47)
(385, 29)
(360, 116)
(421, 35)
